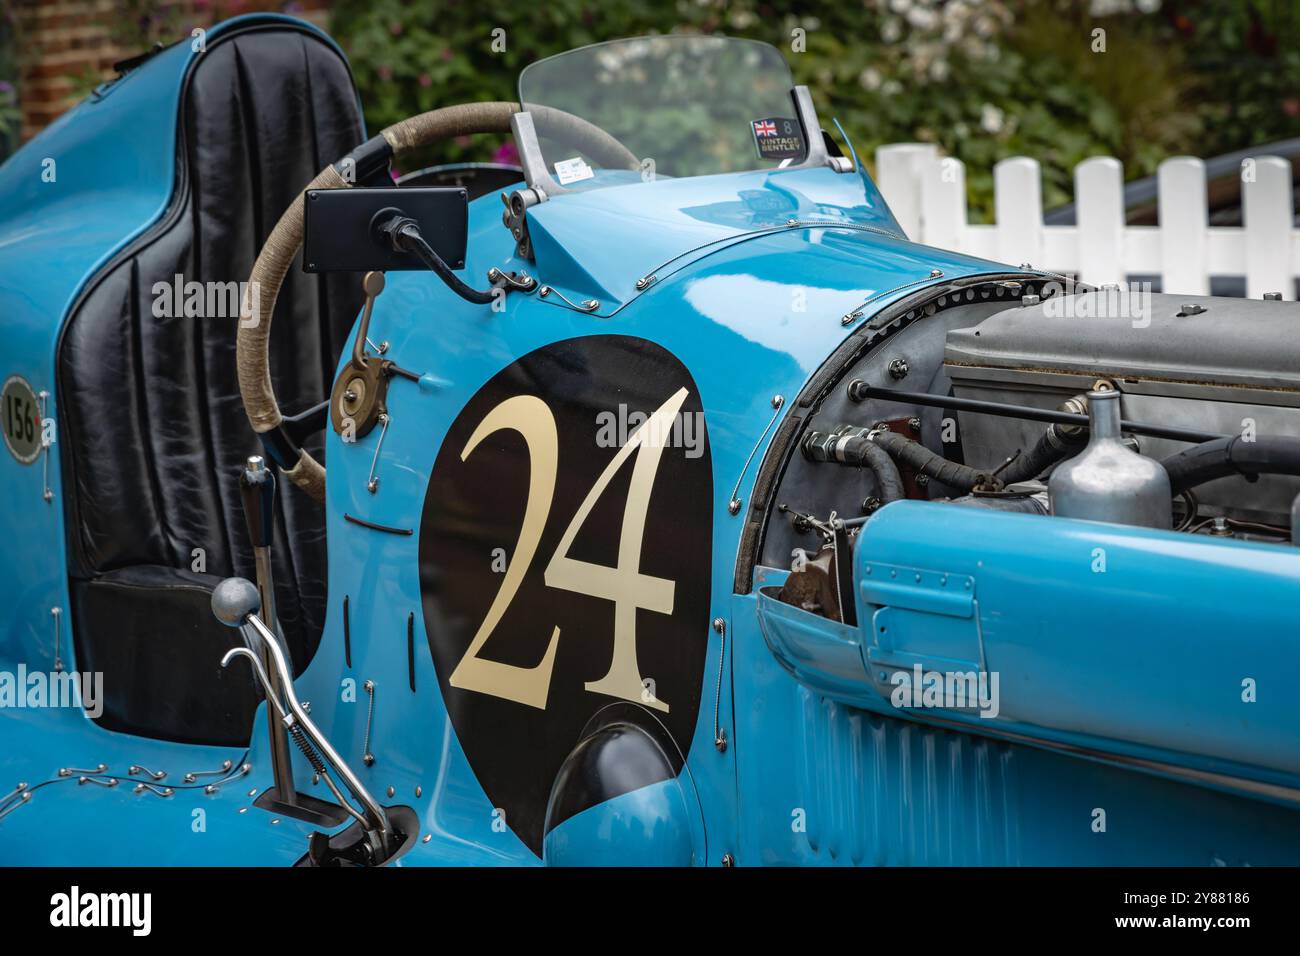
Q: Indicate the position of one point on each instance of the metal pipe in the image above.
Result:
(374, 812)
(860, 390)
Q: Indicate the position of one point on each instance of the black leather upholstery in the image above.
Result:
(153, 434)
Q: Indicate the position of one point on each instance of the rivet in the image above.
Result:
(719, 625)
(733, 506)
(252, 793)
(275, 821)
(419, 791)
(778, 401)
(392, 790)
(243, 809)
(427, 838)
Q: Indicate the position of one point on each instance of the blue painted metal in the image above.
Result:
(1120, 654)
(819, 767)
(1091, 628)
(651, 826)
(680, 221)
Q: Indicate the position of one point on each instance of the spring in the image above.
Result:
(308, 751)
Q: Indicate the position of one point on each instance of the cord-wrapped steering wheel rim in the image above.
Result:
(252, 341)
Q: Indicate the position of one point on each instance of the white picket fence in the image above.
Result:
(927, 194)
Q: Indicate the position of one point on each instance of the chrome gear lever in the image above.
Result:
(235, 603)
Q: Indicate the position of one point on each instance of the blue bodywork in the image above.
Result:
(1144, 721)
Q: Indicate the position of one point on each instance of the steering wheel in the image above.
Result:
(276, 256)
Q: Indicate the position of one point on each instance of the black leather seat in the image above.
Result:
(153, 434)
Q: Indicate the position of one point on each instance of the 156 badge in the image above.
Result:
(20, 419)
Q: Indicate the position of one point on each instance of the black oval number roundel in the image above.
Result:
(565, 554)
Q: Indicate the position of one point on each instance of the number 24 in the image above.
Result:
(625, 585)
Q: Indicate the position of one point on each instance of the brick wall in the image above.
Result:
(66, 46)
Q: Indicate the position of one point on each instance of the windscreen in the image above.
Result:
(662, 106)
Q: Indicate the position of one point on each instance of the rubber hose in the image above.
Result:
(1275, 455)
(1052, 447)
(861, 451)
(916, 456)
(1018, 504)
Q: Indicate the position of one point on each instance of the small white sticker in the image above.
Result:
(572, 170)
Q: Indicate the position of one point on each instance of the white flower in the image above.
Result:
(922, 19)
(891, 30)
(991, 118)
(869, 79)
(939, 70)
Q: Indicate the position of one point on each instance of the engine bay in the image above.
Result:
(1024, 394)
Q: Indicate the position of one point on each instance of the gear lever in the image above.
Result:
(257, 491)
(235, 602)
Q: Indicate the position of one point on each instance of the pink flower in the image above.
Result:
(395, 29)
(385, 73)
(426, 80)
(507, 154)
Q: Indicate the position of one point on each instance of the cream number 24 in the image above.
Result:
(624, 585)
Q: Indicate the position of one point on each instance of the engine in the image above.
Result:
(1173, 412)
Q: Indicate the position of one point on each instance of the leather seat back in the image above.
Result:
(153, 435)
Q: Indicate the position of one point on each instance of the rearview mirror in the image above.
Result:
(339, 227)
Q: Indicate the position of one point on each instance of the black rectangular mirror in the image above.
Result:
(339, 227)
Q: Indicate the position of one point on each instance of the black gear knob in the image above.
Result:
(257, 490)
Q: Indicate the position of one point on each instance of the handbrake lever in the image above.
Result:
(235, 602)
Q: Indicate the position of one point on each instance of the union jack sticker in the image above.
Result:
(778, 137)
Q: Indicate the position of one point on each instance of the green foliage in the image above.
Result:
(10, 115)
(983, 80)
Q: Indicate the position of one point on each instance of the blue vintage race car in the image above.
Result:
(662, 505)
